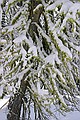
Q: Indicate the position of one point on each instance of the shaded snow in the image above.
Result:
(33, 50)
(3, 114)
(52, 6)
(69, 116)
(52, 58)
(1, 70)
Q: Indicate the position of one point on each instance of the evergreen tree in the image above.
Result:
(40, 57)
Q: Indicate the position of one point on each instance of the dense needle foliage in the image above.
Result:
(39, 57)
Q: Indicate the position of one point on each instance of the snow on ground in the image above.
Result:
(3, 108)
(69, 116)
(3, 114)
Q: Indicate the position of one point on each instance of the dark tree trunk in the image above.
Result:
(15, 107)
(16, 102)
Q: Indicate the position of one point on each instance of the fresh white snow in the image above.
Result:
(3, 103)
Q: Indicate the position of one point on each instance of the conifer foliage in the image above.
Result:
(39, 57)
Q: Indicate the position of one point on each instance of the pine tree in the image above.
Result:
(41, 57)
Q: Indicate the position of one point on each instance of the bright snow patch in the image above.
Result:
(3, 103)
